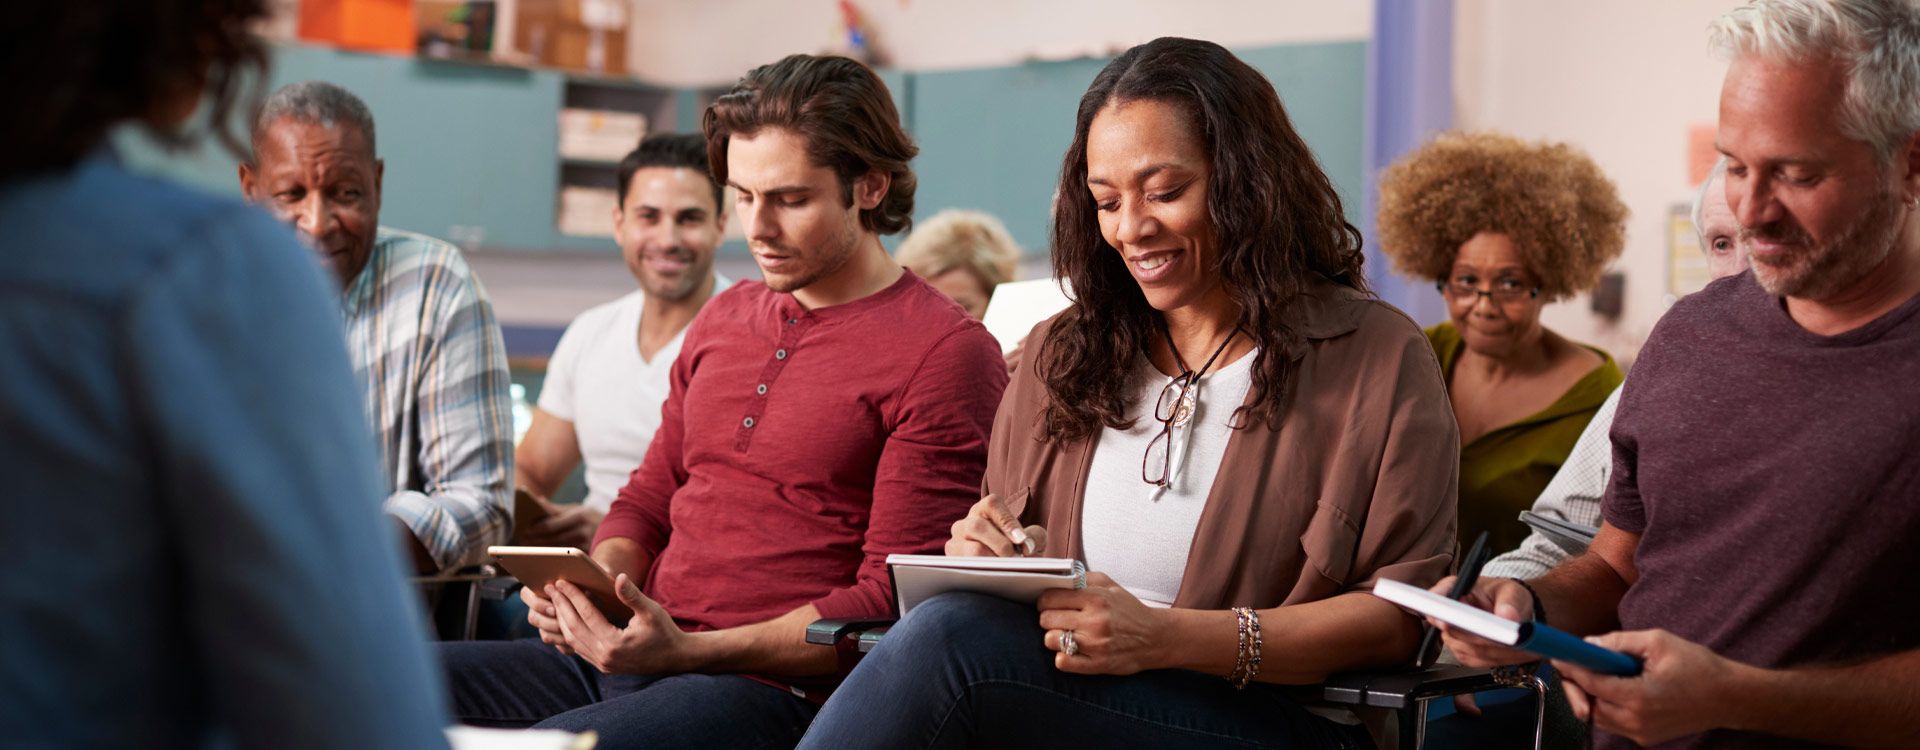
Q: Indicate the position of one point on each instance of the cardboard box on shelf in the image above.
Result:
(601, 14)
(584, 35)
(599, 135)
(586, 211)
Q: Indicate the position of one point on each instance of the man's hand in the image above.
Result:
(651, 643)
(1681, 689)
(564, 526)
(544, 618)
(1113, 632)
(991, 528)
(1501, 596)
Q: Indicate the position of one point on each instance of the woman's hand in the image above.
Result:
(1113, 632)
(992, 529)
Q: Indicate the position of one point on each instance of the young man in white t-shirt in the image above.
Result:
(608, 376)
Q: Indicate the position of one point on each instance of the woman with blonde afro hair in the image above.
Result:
(1504, 226)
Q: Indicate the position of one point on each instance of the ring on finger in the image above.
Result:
(1068, 645)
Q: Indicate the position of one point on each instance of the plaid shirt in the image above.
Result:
(425, 346)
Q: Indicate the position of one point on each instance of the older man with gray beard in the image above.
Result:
(1758, 551)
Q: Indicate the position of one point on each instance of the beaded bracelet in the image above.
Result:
(1247, 661)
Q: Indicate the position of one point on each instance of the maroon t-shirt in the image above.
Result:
(1773, 476)
(798, 448)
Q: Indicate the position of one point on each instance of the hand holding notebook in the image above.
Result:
(917, 578)
(1533, 637)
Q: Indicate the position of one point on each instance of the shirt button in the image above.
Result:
(780, 354)
(748, 422)
(762, 389)
(793, 321)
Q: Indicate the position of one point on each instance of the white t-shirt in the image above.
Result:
(597, 380)
(1136, 532)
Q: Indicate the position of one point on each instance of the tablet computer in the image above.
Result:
(539, 566)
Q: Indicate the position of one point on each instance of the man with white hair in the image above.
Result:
(1758, 553)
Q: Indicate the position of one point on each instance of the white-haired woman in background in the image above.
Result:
(964, 254)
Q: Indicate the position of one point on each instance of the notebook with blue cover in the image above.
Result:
(1533, 637)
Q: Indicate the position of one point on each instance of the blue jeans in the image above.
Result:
(526, 683)
(968, 670)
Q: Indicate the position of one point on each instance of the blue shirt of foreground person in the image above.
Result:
(187, 473)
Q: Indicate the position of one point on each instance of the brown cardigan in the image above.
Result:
(1358, 484)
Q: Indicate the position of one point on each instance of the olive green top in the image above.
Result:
(1503, 471)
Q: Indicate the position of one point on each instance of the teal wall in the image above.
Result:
(463, 144)
(475, 145)
(993, 138)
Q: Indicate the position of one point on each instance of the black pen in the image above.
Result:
(1469, 575)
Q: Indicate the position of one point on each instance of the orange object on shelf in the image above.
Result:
(367, 25)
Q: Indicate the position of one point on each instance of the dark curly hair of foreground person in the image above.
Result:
(1560, 210)
(96, 63)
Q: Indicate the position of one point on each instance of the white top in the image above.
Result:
(597, 380)
(1140, 534)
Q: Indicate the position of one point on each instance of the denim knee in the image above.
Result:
(960, 618)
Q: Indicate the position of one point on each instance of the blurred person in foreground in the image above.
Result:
(187, 467)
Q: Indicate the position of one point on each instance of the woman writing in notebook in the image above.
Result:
(1225, 426)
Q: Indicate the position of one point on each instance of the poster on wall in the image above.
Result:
(1686, 264)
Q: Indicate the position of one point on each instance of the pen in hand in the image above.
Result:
(1469, 575)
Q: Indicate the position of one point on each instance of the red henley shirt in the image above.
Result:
(798, 448)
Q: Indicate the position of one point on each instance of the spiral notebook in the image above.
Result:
(917, 578)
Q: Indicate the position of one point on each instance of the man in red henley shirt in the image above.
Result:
(816, 423)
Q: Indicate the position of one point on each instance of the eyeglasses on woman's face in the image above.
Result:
(1465, 288)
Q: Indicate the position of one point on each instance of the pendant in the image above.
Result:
(1183, 409)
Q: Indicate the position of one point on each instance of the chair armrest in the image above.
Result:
(468, 574)
(1402, 688)
(830, 632)
(870, 638)
(498, 588)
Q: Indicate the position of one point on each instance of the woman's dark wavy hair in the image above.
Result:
(81, 67)
(1275, 214)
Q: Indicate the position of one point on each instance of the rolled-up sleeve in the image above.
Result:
(465, 417)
